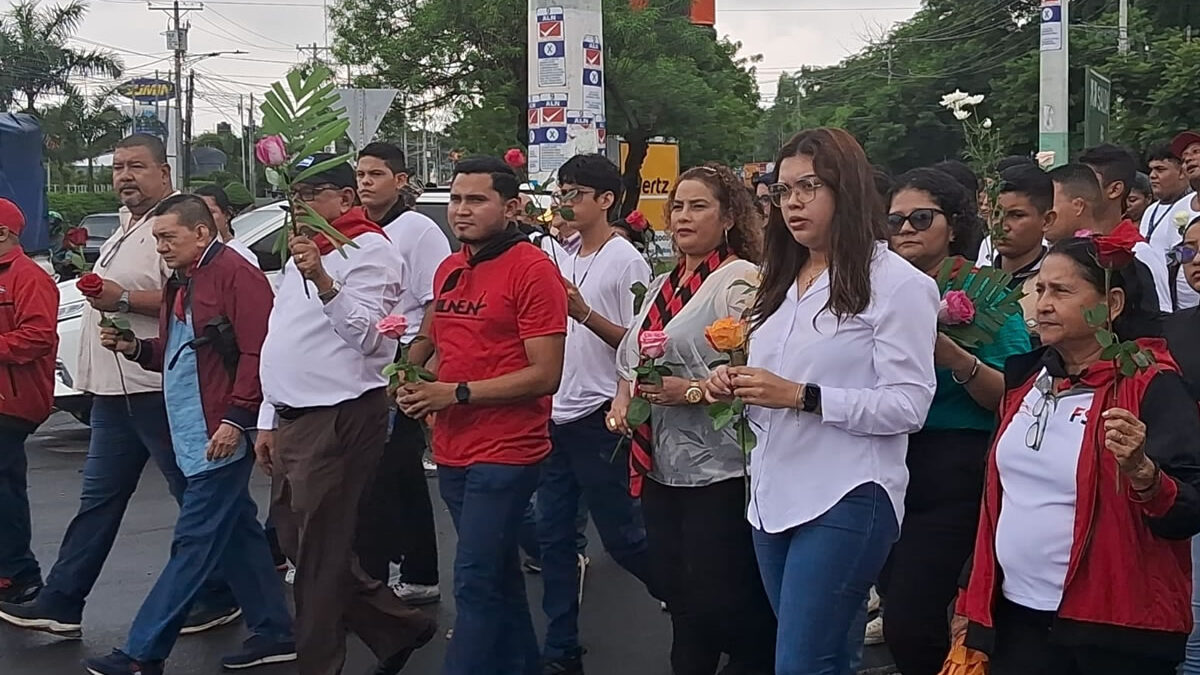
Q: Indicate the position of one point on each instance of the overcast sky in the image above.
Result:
(787, 33)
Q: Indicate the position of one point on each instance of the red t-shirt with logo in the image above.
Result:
(479, 328)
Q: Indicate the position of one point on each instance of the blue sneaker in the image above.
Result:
(260, 651)
(40, 616)
(201, 619)
(120, 663)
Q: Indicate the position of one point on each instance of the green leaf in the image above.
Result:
(322, 166)
(295, 80)
(723, 361)
(1142, 359)
(1128, 368)
(1105, 338)
(425, 374)
(1110, 352)
(410, 376)
(1097, 317)
(324, 137)
(638, 412)
(652, 378)
(567, 213)
(738, 406)
(662, 370)
(391, 369)
(943, 277)
(281, 99)
(723, 417)
(745, 434)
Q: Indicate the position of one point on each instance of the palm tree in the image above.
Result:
(82, 129)
(35, 58)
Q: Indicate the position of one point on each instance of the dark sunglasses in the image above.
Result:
(1181, 255)
(920, 219)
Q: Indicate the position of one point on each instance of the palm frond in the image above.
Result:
(988, 289)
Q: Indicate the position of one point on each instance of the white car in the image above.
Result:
(257, 229)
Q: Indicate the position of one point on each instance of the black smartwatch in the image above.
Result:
(812, 398)
(462, 393)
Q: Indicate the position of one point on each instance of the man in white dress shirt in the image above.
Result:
(324, 424)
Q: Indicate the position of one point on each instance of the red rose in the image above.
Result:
(637, 220)
(1115, 250)
(514, 158)
(75, 237)
(91, 285)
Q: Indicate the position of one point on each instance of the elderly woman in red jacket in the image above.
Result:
(1082, 561)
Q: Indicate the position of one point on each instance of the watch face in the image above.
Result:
(693, 395)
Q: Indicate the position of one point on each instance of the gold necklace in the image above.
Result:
(812, 279)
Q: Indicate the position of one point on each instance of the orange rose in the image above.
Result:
(726, 335)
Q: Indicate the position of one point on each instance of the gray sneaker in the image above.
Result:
(417, 594)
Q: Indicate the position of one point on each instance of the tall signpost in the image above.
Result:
(1097, 111)
(1055, 104)
(566, 83)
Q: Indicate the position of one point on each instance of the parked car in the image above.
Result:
(99, 226)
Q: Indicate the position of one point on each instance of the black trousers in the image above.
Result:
(702, 561)
(396, 523)
(1024, 646)
(920, 580)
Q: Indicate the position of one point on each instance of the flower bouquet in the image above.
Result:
(976, 302)
(983, 151)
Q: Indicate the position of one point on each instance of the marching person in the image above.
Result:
(28, 345)
(223, 213)
(397, 521)
(211, 327)
(499, 325)
(828, 475)
(1026, 200)
(323, 426)
(128, 419)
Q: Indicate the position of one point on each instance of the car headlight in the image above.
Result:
(71, 310)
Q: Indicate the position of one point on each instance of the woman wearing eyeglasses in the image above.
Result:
(931, 218)
(1081, 564)
(841, 371)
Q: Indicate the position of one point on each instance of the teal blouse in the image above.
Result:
(953, 408)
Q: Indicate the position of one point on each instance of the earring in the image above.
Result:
(726, 233)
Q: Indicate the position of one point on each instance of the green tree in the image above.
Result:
(35, 58)
(81, 128)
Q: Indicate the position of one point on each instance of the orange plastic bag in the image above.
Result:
(964, 661)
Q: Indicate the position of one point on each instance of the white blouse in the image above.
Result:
(877, 380)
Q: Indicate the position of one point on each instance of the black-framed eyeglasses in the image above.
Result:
(1045, 405)
(1181, 254)
(920, 219)
(307, 193)
(804, 188)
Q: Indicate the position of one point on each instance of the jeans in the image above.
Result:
(817, 577)
(579, 464)
(16, 559)
(1191, 664)
(529, 535)
(493, 630)
(217, 525)
(120, 445)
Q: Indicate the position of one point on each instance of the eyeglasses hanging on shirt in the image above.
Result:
(111, 253)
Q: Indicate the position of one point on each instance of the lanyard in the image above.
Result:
(1156, 220)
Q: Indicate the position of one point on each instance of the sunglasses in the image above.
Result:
(920, 219)
(1181, 255)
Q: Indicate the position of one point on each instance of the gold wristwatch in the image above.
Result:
(694, 393)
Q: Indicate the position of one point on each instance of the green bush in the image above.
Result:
(74, 206)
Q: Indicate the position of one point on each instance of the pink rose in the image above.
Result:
(271, 151)
(956, 309)
(392, 326)
(652, 343)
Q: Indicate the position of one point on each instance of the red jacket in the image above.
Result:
(28, 340)
(1129, 578)
(224, 284)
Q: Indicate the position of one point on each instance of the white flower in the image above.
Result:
(973, 100)
(1181, 219)
(962, 115)
(987, 123)
(954, 99)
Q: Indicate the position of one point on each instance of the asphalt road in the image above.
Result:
(622, 628)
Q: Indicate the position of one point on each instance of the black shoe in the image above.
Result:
(260, 651)
(120, 663)
(395, 663)
(20, 590)
(567, 665)
(201, 619)
(41, 617)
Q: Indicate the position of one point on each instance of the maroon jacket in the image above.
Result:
(223, 284)
(28, 341)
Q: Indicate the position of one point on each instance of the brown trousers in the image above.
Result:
(324, 460)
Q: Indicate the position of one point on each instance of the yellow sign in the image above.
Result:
(659, 171)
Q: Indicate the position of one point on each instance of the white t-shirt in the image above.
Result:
(604, 278)
(244, 251)
(1157, 262)
(1160, 226)
(1038, 494)
(423, 246)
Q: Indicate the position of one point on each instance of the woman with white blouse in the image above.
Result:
(840, 372)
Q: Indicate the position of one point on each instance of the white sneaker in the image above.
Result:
(417, 594)
(393, 575)
(429, 466)
(874, 634)
(290, 577)
(872, 602)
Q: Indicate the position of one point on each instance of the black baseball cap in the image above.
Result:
(341, 175)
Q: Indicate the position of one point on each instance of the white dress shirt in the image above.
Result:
(321, 355)
(423, 246)
(876, 375)
(244, 251)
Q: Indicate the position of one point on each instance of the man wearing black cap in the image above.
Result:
(28, 344)
(323, 425)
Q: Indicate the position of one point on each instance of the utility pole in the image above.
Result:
(177, 42)
(1123, 29)
(1054, 97)
(185, 172)
(251, 158)
(244, 137)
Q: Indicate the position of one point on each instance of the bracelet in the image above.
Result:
(974, 372)
(585, 318)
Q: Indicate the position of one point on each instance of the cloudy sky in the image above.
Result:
(787, 33)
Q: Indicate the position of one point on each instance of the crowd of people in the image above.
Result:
(1029, 497)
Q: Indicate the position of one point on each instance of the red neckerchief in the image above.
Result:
(671, 299)
(351, 224)
(185, 283)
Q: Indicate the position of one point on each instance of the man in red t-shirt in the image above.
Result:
(498, 330)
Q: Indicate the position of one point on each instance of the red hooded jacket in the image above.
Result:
(28, 341)
(1129, 581)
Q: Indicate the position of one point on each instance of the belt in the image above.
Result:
(291, 414)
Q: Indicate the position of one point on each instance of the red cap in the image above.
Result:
(11, 216)
(1183, 142)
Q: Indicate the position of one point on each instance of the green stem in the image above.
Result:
(741, 437)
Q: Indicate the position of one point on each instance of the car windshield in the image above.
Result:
(248, 223)
(100, 226)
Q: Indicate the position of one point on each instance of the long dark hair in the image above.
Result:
(858, 223)
(222, 200)
(1141, 316)
(745, 238)
(953, 199)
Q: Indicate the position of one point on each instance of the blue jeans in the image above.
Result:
(529, 535)
(818, 575)
(580, 464)
(493, 630)
(16, 559)
(120, 445)
(1191, 664)
(218, 525)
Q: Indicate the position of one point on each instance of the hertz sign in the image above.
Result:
(147, 90)
(659, 171)
(703, 12)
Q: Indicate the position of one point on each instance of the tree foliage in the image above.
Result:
(82, 129)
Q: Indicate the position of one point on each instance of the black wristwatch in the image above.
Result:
(812, 398)
(462, 393)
